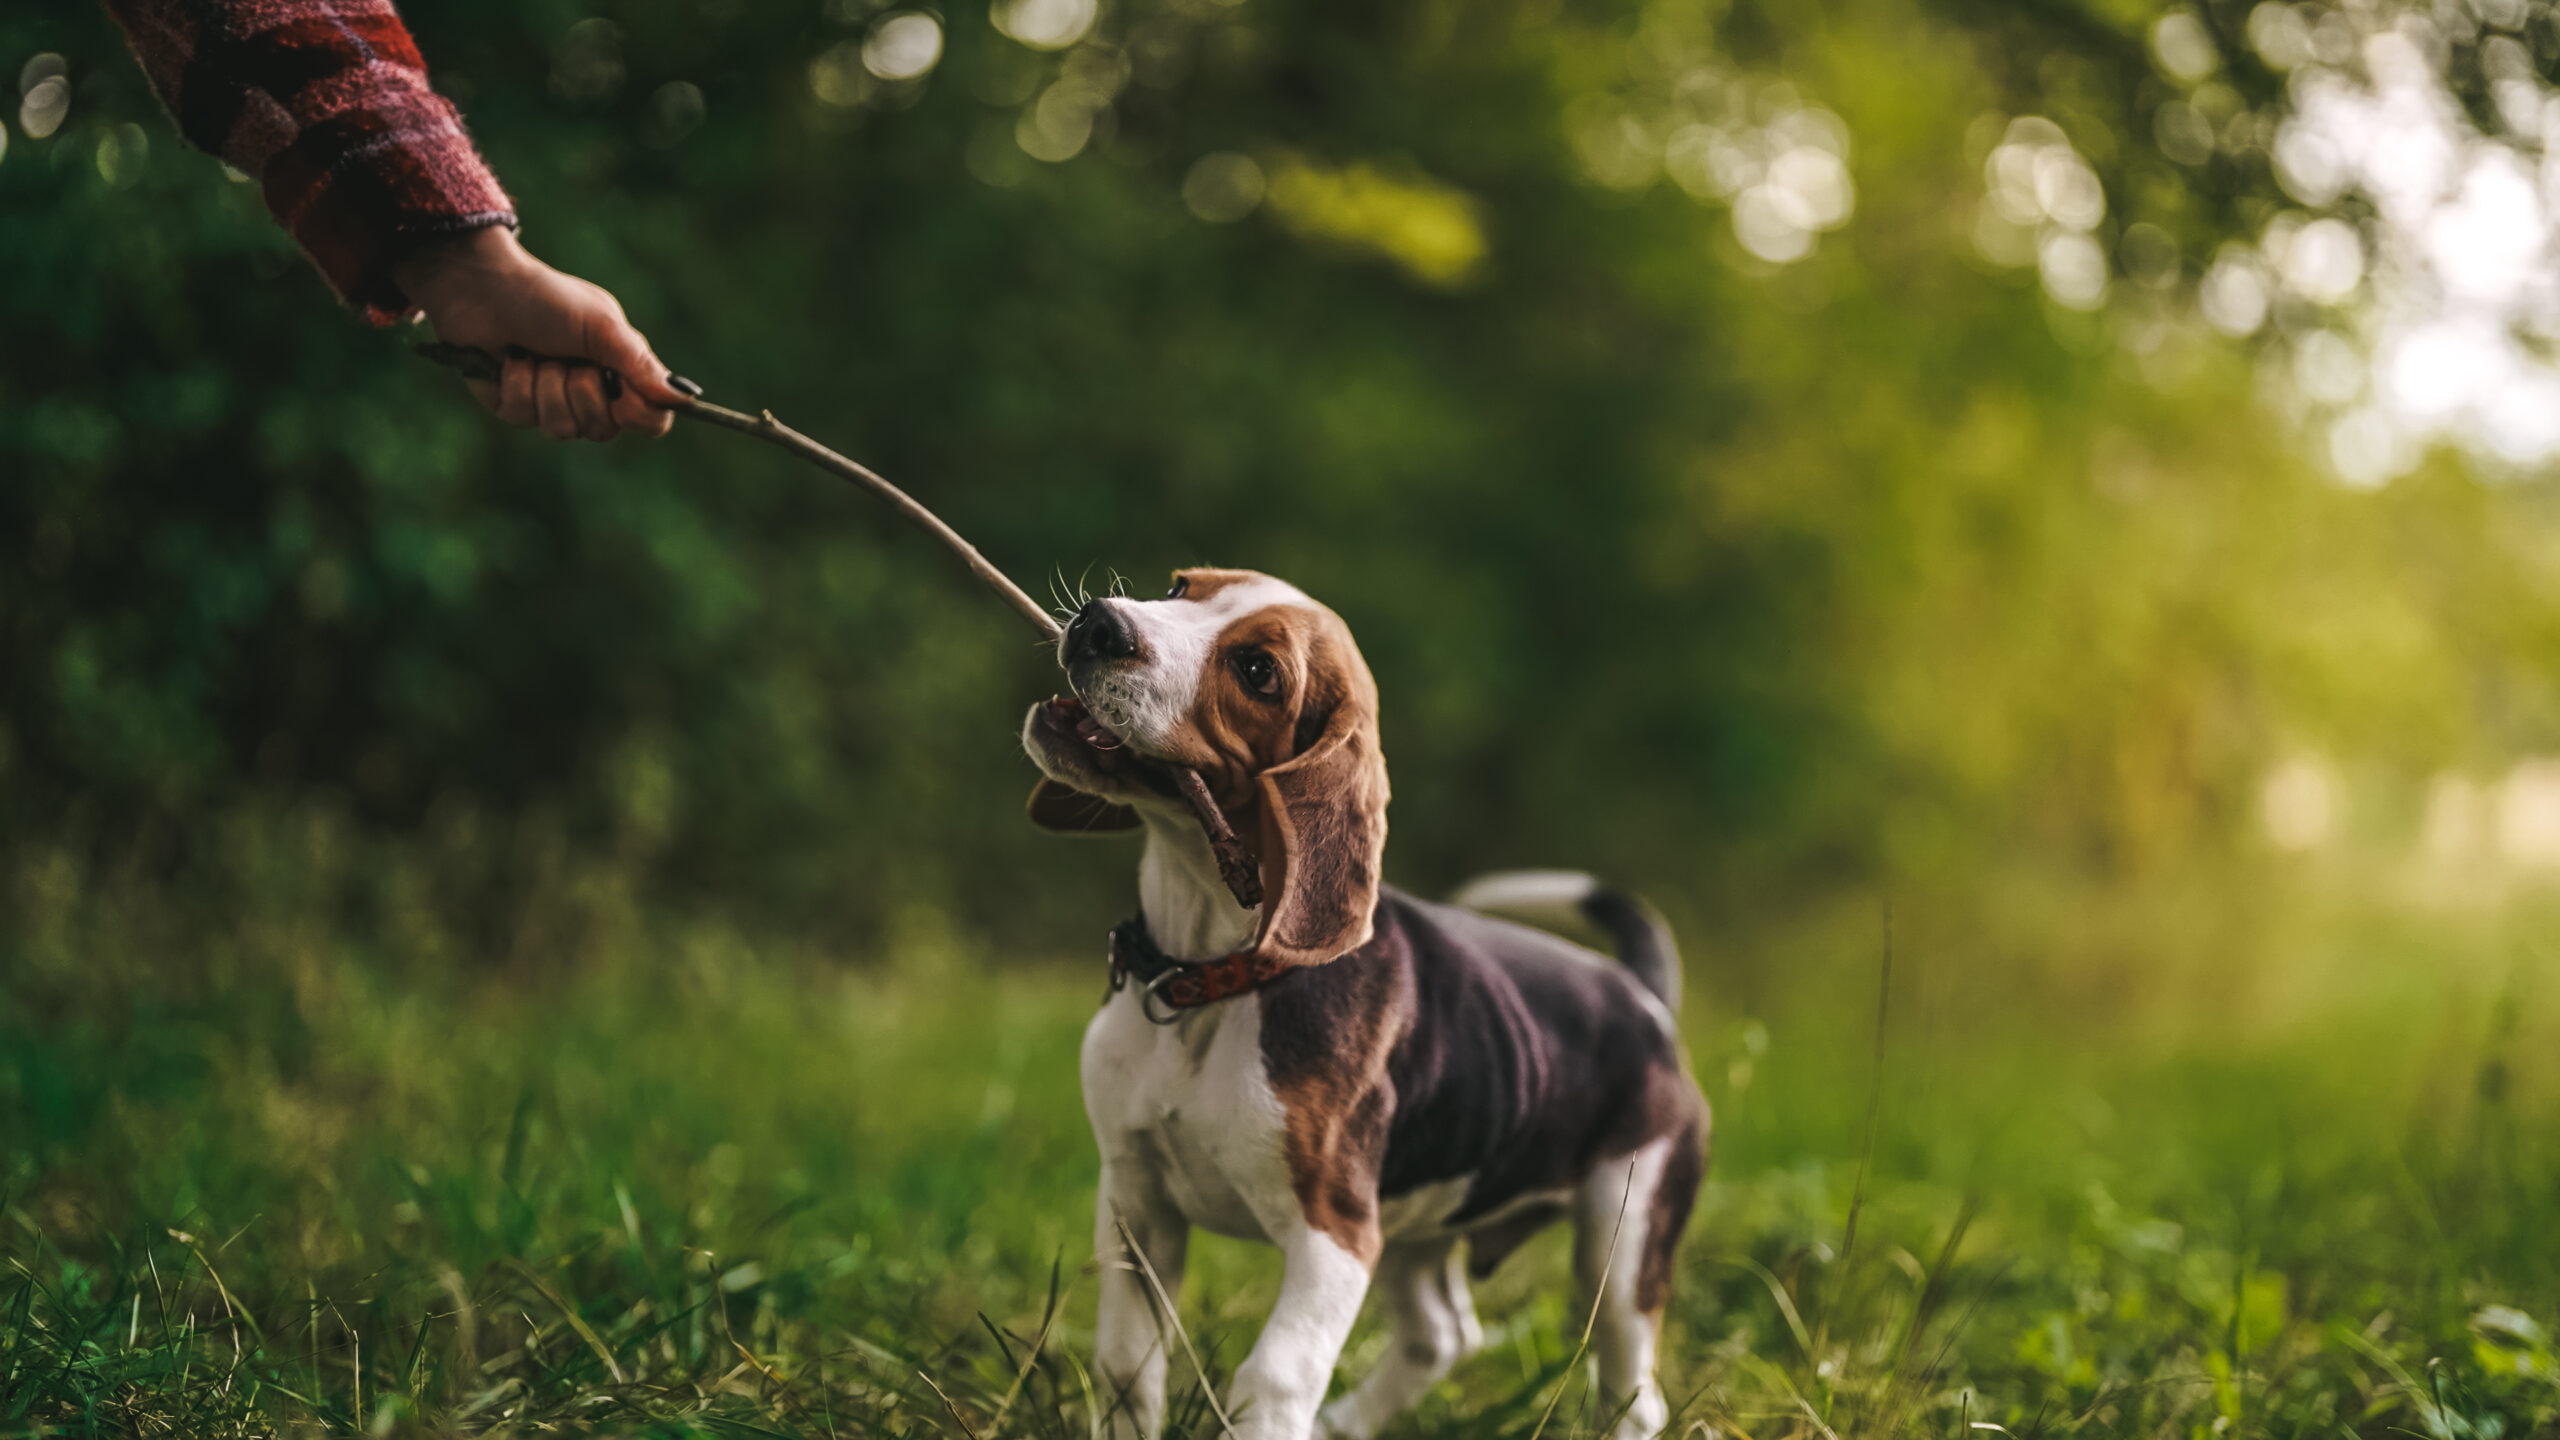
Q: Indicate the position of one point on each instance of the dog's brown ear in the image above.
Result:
(1073, 812)
(1324, 836)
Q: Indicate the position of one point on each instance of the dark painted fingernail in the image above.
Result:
(682, 384)
(613, 385)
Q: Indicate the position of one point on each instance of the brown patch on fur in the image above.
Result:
(1202, 582)
(1328, 1067)
(1668, 1214)
(1072, 812)
(1298, 771)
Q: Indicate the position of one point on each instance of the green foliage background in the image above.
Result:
(449, 845)
(1701, 574)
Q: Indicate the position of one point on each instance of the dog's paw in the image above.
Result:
(1646, 1415)
(1341, 1421)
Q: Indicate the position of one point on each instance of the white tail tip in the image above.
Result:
(1528, 892)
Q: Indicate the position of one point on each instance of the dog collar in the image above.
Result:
(1181, 985)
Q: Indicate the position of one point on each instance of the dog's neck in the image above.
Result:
(1189, 910)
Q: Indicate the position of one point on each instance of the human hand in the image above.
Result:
(483, 289)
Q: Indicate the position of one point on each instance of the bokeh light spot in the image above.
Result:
(2040, 202)
(2298, 805)
(2073, 268)
(1429, 229)
(2322, 262)
(2184, 48)
(2327, 368)
(1770, 225)
(903, 47)
(121, 155)
(1045, 24)
(2234, 293)
(589, 66)
(2369, 449)
(45, 103)
(675, 112)
(1056, 126)
(1223, 187)
(2529, 814)
(2182, 133)
(2279, 35)
(839, 78)
(1788, 179)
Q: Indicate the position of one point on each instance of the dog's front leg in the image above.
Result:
(1130, 1339)
(1280, 1385)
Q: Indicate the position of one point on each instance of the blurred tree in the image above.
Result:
(1754, 442)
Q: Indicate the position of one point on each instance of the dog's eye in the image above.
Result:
(1258, 671)
(1181, 583)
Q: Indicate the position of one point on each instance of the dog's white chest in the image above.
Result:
(1189, 1104)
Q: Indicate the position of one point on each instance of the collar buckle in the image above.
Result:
(1167, 987)
(1148, 996)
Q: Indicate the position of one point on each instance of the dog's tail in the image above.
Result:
(1569, 900)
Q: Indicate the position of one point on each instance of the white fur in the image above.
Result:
(1281, 1384)
(1187, 1125)
(1148, 704)
(1190, 912)
(1425, 1285)
(1551, 897)
(1612, 1210)
(1191, 1134)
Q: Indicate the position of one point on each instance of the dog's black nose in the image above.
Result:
(1098, 633)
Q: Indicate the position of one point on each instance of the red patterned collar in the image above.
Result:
(1179, 985)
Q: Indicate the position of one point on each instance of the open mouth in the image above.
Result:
(1065, 717)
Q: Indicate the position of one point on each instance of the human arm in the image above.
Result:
(325, 103)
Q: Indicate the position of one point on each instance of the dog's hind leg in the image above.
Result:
(1613, 1209)
(1434, 1319)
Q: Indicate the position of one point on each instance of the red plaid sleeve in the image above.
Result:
(326, 103)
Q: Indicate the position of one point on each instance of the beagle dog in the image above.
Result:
(1368, 1081)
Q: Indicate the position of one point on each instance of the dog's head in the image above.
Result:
(1244, 679)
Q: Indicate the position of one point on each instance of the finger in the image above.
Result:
(487, 393)
(551, 401)
(633, 412)
(515, 392)
(586, 400)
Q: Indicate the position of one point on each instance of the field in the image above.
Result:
(673, 1180)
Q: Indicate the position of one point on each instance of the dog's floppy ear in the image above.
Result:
(1324, 835)
(1073, 812)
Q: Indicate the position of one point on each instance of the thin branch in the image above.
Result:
(1243, 877)
(481, 365)
(1235, 866)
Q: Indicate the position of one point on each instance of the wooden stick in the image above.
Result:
(1243, 876)
(1237, 868)
(481, 365)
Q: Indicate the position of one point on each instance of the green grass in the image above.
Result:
(2136, 1174)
